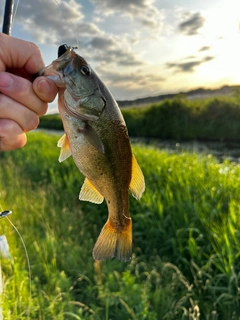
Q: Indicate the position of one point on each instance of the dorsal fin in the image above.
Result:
(90, 193)
(137, 184)
(65, 152)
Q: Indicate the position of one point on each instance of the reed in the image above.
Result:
(216, 119)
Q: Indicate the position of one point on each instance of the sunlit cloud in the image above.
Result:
(138, 83)
(188, 66)
(204, 48)
(141, 10)
(192, 24)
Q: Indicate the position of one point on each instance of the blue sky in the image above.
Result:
(140, 47)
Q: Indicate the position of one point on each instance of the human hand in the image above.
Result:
(22, 100)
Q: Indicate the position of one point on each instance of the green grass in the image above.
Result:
(186, 233)
(204, 119)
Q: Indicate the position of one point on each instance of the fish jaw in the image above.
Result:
(54, 71)
(51, 73)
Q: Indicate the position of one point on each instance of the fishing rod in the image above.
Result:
(7, 19)
(6, 28)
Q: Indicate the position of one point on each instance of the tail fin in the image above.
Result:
(114, 243)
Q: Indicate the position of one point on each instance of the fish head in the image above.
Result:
(79, 86)
(72, 71)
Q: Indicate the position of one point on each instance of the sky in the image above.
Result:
(140, 48)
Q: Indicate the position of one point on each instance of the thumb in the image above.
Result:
(45, 89)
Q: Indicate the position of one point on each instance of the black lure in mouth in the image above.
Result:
(62, 49)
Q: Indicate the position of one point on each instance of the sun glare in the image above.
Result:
(221, 32)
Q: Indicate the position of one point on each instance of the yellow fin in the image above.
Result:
(65, 152)
(90, 193)
(137, 184)
(114, 243)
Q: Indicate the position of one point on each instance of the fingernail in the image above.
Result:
(43, 86)
(5, 80)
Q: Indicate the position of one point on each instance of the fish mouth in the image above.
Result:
(54, 71)
(60, 68)
(54, 75)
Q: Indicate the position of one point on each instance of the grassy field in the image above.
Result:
(203, 119)
(186, 233)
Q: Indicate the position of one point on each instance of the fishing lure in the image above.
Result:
(5, 213)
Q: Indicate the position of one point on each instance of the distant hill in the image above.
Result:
(192, 94)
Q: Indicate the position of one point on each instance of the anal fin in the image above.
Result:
(90, 193)
(114, 243)
(137, 184)
(65, 152)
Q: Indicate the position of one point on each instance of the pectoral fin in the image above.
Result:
(93, 138)
(90, 193)
(65, 152)
(137, 184)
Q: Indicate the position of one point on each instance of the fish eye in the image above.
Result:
(85, 70)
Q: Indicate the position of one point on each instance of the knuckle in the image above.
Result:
(11, 135)
(22, 88)
(34, 48)
(32, 123)
(43, 109)
(18, 143)
(35, 122)
(3, 100)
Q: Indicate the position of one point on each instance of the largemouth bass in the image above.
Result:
(96, 136)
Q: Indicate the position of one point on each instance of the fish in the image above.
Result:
(97, 138)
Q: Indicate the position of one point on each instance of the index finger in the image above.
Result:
(17, 53)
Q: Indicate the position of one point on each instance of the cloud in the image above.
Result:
(101, 43)
(192, 24)
(204, 48)
(107, 49)
(50, 24)
(137, 82)
(141, 10)
(116, 56)
(188, 66)
(134, 78)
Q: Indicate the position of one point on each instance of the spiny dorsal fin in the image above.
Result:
(65, 152)
(89, 193)
(137, 184)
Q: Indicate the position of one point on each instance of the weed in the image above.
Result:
(186, 262)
